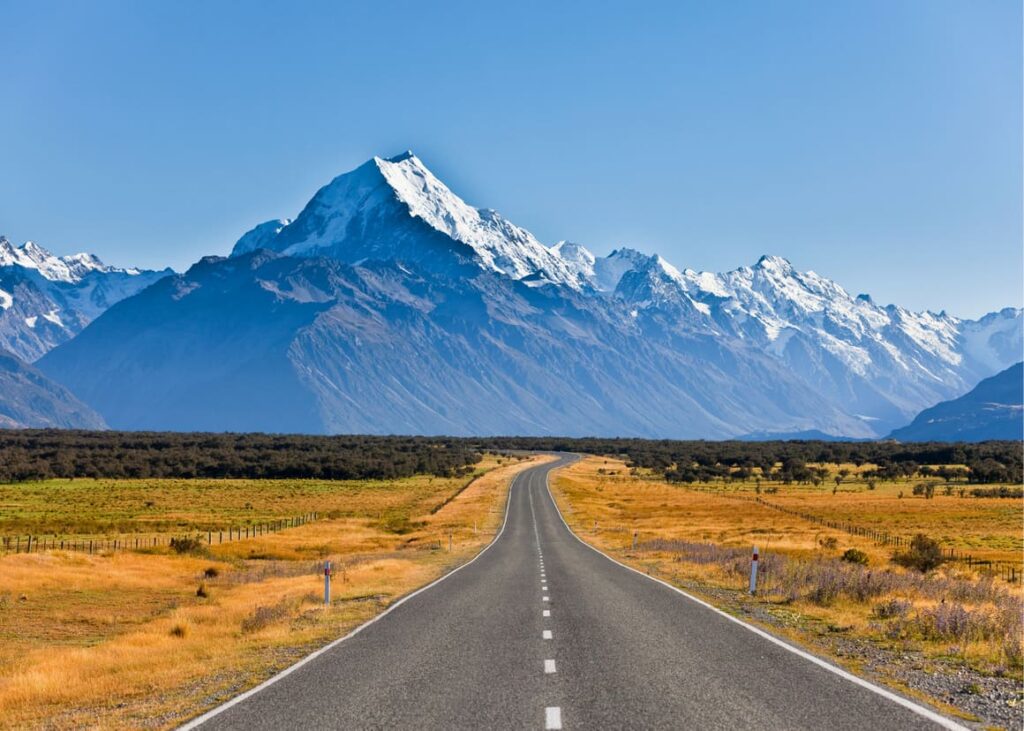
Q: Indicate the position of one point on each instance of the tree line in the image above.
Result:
(793, 461)
(42, 454)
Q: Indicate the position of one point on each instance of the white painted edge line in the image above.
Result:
(552, 718)
(200, 720)
(920, 710)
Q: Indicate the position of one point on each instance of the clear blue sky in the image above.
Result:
(878, 143)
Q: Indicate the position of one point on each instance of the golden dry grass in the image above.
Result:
(606, 504)
(86, 507)
(123, 641)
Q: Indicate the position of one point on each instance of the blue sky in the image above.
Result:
(877, 143)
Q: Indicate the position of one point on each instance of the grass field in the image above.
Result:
(105, 507)
(703, 538)
(148, 638)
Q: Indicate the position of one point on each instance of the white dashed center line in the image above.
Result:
(547, 598)
(546, 634)
(552, 717)
(549, 667)
(547, 612)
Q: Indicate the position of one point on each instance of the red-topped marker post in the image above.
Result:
(753, 572)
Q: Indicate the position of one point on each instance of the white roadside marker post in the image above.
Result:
(635, 534)
(753, 572)
(327, 583)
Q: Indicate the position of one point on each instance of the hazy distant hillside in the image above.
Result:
(994, 409)
(30, 399)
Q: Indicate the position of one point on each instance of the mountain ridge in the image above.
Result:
(46, 300)
(28, 399)
(391, 257)
(994, 409)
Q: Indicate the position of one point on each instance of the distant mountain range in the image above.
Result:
(46, 300)
(389, 305)
(994, 409)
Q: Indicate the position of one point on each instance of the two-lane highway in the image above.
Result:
(541, 631)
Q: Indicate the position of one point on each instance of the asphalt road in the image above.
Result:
(541, 631)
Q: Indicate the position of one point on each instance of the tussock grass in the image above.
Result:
(703, 536)
(123, 641)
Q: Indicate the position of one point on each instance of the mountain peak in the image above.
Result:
(775, 264)
(408, 154)
(359, 215)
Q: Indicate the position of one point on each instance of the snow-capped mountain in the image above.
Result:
(397, 209)
(270, 342)
(391, 305)
(878, 361)
(46, 299)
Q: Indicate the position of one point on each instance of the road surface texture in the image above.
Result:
(541, 631)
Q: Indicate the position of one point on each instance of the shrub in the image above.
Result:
(201, 592)
(187, 544)
(827, 588)
(924, 554)
(1004, 492)
(892, 608)
(212, 572)
(1013, 651)
(179, 630)
(855, 555)
(263, 617)
(829, 543)
(954, 622)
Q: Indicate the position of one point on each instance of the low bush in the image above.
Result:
(265, 616)
(1004, 492)
(855, 555)
(924, 554)
(187, 544)
(892, 609)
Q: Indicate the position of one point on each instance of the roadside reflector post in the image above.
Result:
(635, 534)
(753, 572)
(327, 583)
(449, 541)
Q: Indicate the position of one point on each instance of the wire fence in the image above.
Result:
(36, 543)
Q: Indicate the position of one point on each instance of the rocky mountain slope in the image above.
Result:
(28, 399)
(994, 409)
(391, 305)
